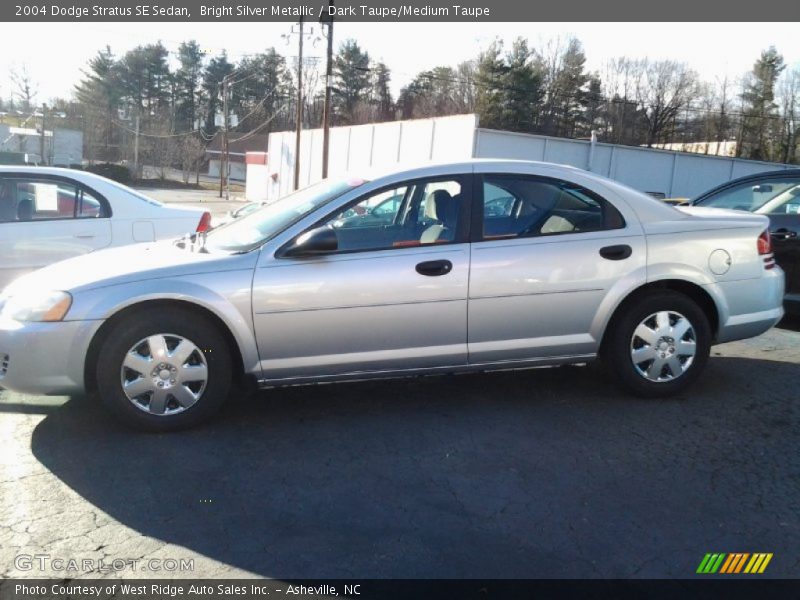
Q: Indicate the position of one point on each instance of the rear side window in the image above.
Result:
(34, 199)
(525, 206)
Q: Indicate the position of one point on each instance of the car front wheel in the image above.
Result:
(659, 345)
(164, 371)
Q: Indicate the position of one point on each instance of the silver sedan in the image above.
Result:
(479, 265)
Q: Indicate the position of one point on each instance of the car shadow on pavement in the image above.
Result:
(544, 473)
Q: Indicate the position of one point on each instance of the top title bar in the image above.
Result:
(674, 11)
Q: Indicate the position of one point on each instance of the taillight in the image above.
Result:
(764, 243)
(765, 249)
(205, 223)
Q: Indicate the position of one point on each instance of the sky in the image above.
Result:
(54, 53)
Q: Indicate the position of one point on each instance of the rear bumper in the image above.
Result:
(44, 358)
(752, 306)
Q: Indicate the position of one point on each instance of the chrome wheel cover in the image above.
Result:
(663, 346)
(164, 374)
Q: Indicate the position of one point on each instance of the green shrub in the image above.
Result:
(118, 173)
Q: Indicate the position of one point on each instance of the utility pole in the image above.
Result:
(299, 125)
(136, 147)
(42, 157)
(326, 111)
(223, 162)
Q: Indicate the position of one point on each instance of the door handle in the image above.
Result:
(783, 234)
(620, 252)
(434, 268)
(84, 236)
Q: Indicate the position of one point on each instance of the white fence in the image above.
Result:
(671, 173)
(667, 172)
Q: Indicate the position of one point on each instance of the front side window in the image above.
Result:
(767, 197)
(411, 214)
(525, 206)
(23, 199)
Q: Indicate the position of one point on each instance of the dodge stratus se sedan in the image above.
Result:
(481, 265)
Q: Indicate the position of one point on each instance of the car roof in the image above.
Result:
(467, 164)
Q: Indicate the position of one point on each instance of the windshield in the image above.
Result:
(770, 196)
(251, 231)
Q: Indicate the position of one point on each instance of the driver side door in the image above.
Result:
(392, 297)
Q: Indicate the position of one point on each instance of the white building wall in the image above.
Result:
(63, 147)
(257, 185)
(360, 147)
(236, 170)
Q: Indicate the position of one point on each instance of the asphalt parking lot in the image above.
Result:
(543, 473)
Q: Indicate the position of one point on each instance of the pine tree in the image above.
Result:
(569, 89)
(381, 94)
(351, 77)
(264, 86)
(216, 70)
(100, 94)
(759, 107)
(522, 88)
(490, 81)
(188, 85)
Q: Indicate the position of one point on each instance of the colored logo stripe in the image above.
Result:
(758, 563)
(734, 563)
(710, 563)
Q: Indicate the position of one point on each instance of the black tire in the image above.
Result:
(617, 350)
(173, 323)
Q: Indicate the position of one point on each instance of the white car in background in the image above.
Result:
(49, 214)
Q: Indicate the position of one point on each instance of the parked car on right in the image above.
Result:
(775, 194)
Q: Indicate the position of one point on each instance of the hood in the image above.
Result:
(127, 264)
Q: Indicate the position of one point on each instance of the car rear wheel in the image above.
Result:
(659, 345)
(165, 371)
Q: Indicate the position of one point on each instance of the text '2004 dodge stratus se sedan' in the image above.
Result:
(480, 265)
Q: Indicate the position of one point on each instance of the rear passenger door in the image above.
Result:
(545, 253)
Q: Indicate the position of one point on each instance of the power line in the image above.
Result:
(162, 135)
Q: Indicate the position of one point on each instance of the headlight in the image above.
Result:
(37, 306)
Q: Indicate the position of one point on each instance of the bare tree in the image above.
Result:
(663, 90)
(191, 152)
(723, 121)
(619, 83)
(465, 88)
(24, 89)
(789, 95)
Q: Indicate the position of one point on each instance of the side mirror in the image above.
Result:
(321, 240)
(762, 188)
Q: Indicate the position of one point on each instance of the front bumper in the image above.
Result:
(44, 358)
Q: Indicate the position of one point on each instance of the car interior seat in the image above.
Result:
(25, 210)
(446, 212)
